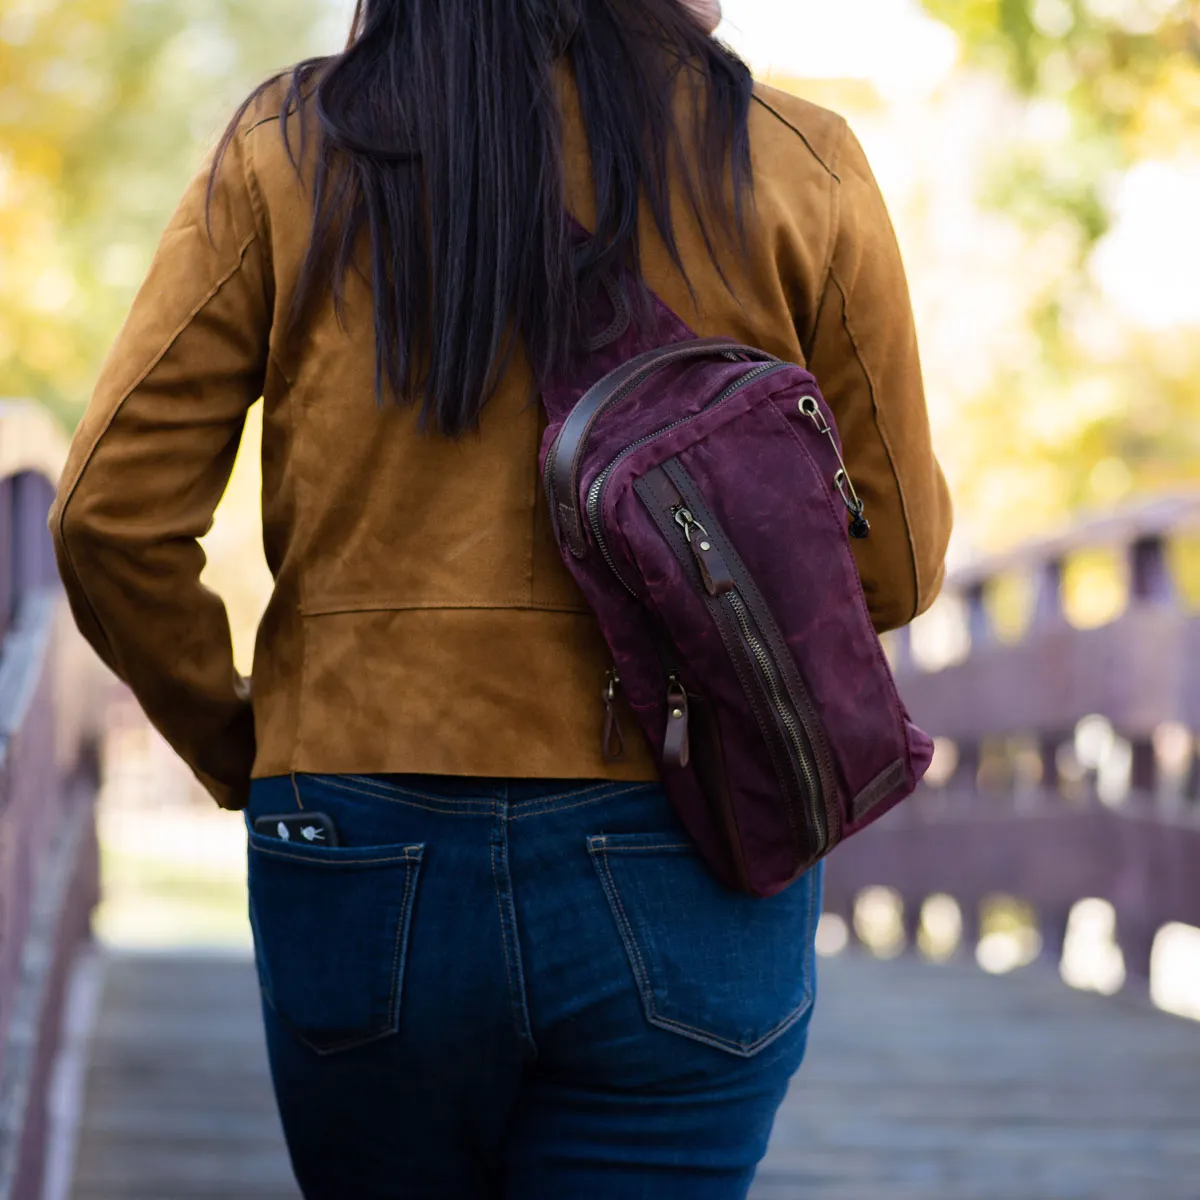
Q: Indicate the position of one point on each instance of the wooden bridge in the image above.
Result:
(925, 1080)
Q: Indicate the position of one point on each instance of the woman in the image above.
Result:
(465, 995)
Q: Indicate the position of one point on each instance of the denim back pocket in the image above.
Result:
(731, 970)
(330, 935)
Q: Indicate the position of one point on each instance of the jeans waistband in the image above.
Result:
(466, 787)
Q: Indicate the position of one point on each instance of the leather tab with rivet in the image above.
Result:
(612, 740)
(714, 570)
(677, 751)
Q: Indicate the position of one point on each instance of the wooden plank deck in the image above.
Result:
(922, 1083)
(178, 1103)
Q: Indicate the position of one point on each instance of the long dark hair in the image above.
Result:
(439, 139)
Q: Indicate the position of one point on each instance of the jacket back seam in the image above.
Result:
(350, 607)
(883, 438)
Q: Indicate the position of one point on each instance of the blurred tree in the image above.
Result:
(1118, 79)
(106, 107)
(1105, 405)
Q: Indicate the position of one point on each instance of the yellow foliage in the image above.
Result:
(101, 124)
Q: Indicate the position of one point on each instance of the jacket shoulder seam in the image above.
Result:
(258, 209)
(258, 213)
(831, 236)
(885, 441)
(798, 132)
(250, 179)
(277, 116)
(245, 133)
(835, 202)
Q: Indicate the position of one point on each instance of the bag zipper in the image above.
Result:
(595, 491)
(801, 751)
(731, 353)
(788, 718)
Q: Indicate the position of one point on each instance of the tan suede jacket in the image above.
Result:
(421, 619)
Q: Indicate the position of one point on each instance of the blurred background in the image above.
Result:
(1041, 159)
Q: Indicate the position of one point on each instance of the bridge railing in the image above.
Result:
(49, 734)
(1024, 800)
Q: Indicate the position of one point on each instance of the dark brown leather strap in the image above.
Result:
(572, 438)
(622, 315)
(677, 748)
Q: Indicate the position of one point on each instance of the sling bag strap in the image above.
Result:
(566, 454)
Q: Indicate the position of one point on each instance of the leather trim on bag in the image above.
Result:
(878, 790)
(566, 455)
(797, 689)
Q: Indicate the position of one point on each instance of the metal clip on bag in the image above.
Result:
(700, 500)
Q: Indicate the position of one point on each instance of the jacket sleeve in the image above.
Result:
(148, 465)
(863, 351)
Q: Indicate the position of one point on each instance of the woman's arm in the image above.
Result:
(864, 354)
(148, 465)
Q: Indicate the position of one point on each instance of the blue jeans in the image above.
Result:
(501, 990)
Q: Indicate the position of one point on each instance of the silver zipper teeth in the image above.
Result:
(593, 496)
(783, 710)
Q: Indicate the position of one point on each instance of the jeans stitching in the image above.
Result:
(599, 852)
(393, 1018)
(597, 791)
(401, 941)
(387, 790)
(472, 806)
(749, 1048)
(413, 859)
(689, 846)
(407, 856)
(745, 1049)
(600, 857)
(399, 795)
(515, 1000)
(450, 808)
(593, 798)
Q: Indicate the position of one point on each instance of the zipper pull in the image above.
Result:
(860, 527)
(677, 751)
(714, 570)
(612, 740)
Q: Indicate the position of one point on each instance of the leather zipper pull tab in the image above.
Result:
(714, 570)
(612, 740)
(677, 751)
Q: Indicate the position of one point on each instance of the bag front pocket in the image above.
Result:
(731, 970)
(330, 935)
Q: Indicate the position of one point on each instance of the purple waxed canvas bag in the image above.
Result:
(700, 500)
